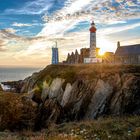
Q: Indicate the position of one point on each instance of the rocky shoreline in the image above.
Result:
(67, 93)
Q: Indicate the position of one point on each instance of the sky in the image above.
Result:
(29, 28)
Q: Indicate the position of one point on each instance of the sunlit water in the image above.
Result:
(14, 74)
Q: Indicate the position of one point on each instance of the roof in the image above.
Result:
(109, 53)
(128, 50)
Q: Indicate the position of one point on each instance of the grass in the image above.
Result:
(126, 128)
(72, 73)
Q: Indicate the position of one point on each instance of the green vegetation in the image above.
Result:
(126, 128)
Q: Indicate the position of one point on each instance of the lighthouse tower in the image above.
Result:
(93, 56)
(92, 40)
(55, 55)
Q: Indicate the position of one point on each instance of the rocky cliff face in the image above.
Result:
(69, 93)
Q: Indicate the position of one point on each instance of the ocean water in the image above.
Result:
(14, 74)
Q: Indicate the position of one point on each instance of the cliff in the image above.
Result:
(62, 93)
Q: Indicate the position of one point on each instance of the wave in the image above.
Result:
(5, 87)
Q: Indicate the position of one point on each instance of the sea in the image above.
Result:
(15, 74)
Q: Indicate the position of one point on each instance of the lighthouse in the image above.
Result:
(93, 54)
(92, 40)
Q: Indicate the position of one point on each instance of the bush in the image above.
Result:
(16, 112)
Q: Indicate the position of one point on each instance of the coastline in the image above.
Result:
(5, 87)
(65, 94)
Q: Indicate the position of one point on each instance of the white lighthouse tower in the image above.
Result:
(93, 58)
(93, 40)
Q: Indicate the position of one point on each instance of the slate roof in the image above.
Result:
(128, 50)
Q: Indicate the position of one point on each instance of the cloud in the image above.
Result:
(33, 7)
(2, 46)
(105, 9)
(11, 30)
(103, 12)
(22, 24)
(7, 34)
(112, 30)
(31, 50)
(116, 22)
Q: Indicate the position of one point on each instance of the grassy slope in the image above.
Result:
(67, 71)
(126, 128)
(82, 71)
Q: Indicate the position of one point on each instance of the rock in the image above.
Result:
(13, 86)
(79, 100)
(103, 92)
(66, 95)
(49, 112)
(56, 89)
(52, 110)
(1, 88)
(35, 94)
(45, 91)
(127, 98)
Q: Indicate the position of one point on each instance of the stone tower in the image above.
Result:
(55, 55)
(118, 44)
(92, 40)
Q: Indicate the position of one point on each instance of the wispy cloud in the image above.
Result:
(94, 9)
(101, 11)
(22, 24)
(112, 30)
(32, 7)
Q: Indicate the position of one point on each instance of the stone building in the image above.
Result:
(127, 54)
(75, 58)
(84, 53)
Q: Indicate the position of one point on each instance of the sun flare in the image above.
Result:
(101, 53)
(105, 46)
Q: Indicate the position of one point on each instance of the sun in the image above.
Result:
(101, 53)
(105, 45)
